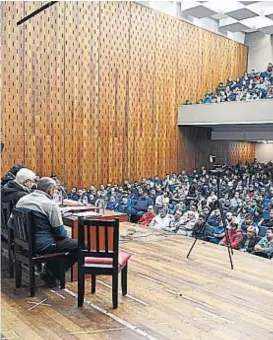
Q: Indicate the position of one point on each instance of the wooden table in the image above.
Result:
(72, 222)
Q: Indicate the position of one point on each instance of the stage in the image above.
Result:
(169, 297)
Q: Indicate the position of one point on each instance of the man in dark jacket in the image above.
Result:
(249, 240)
(10, 176)
(199, 230)
(19, 187)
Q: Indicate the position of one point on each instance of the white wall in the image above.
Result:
(260, 50)
(264, 152)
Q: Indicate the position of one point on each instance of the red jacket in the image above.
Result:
(146, 219)
(234, 238)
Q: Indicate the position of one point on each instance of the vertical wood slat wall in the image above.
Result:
(91, 89)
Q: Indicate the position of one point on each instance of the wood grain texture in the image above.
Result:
(169, 297)
(91, 89)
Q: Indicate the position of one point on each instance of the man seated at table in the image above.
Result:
(50, 233)
(14, 190)
(249, 240)
(146, 219)
(264, 247)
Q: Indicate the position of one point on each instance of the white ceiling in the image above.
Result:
(233, 16)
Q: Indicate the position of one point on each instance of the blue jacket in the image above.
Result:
(122, 208)
(111, 205)
(141, 203)
(214, 221)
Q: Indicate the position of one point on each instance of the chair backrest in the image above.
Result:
(101, 238)
(5, 214)
(23, 231)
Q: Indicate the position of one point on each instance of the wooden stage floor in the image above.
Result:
(170, 297)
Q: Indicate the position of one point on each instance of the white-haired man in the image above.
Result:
(19, 187)
(50, 234)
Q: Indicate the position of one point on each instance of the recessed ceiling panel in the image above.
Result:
(236, 27)
(199, 12)
(241, 14)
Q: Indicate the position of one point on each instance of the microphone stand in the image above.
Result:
(216, 205)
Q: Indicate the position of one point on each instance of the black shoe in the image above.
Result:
(49, 279)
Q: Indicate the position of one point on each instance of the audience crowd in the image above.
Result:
(180, 204)
(252, 86)
(184, 204)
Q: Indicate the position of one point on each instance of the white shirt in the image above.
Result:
(160, 223)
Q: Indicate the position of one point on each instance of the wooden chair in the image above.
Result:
(7, 235)
(101, 257)
(25, 252)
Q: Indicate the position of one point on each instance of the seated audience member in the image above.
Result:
(215, 219)
(123, 206)
(248, 221)
(249, 240)
(229, 219)
(175, 223)
(10, 176)
(146, 219)
(92, 199)
(111, 204)
(162, 201)
(50, 233)
(235, 235)
(264, 247)
(61, 192)
(162, 220)
(200, 231)
(19, 187)
(140, 206)
(74, 194)
(216, 233)
(100, 202)
(269, 223)
(187, 225)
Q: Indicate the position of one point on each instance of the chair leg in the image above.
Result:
(93, 284)
(32, 278)
(11, 262)
(115, 290)
(18, 274)
(81, 288)
(124, 280)
(62, 275)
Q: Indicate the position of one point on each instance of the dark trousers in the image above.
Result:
(61, 246)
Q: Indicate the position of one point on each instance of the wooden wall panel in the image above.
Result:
(91, 89)
(196, 146)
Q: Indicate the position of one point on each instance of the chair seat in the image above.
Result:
(122, 259)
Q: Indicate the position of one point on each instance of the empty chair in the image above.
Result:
(101, 257)
(7, 235)
(24, 249)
